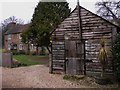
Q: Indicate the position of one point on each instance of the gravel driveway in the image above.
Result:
(36, 76)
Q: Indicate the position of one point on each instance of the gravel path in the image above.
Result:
(36, 76)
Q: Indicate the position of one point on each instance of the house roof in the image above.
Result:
(13, 28)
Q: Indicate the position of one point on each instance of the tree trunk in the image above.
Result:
(28, 49)
(49, 50)
(37, 50)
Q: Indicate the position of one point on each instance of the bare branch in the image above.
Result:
(109, 10)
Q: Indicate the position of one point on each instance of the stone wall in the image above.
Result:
(7, 60)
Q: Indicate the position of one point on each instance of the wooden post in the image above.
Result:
(84, 58)
(50, 61)
(11, 54)
(65, 59)
(79, 20)
(80, 33)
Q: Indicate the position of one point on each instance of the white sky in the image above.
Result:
(24, 9)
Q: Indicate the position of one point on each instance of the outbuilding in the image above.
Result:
(76, 41)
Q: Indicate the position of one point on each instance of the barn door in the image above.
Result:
(74, 57)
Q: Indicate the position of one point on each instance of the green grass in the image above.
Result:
(27, 59)
(2, 50)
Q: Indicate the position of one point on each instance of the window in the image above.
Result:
(20, 36)
(32, 47)
(9, 37)
(9, 47)
(15, 46)
(20, 47)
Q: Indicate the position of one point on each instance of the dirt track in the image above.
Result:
(36, 76)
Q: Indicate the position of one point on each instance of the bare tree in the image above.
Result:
(11, 19)
(110, 10)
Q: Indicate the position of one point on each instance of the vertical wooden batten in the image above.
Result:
(79, 20)
(80, 37)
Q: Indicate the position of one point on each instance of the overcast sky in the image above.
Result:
(24, 9)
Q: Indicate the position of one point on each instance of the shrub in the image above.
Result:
(18, 64)
(33, 53)
(21, 52)
(27, 53)
(42, 51)
(116, 56)
(15, 52)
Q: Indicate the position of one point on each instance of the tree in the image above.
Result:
(46, 17)
(6, 22)
(103, 56)
(116, 56)
(11, 19)
(26, 39)
(110, 10)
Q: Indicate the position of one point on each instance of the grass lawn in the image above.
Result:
(31, 60)
(2, 50)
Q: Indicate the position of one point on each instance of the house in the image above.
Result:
(12, 40)
(76, 41)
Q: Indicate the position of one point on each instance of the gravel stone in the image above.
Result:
(36, 76)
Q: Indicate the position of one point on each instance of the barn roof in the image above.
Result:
(91, 13)
(16, 28)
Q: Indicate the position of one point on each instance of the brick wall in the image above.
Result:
(14, 38)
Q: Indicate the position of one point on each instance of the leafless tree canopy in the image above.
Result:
(11, 19)
(109, 9)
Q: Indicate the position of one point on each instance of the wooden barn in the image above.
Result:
(76, 41)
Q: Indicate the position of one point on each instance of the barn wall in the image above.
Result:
(58, 55)
(93, 28)
(70, 27)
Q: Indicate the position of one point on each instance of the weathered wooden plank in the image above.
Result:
(58, 42)
(74, 15)
(96, 36)
(58, 68)
(58, 60)
(97, 64)
(58, 56)
(74, 18)
(58, 47)
(98, 70)
(105, 31)
(91, 73)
